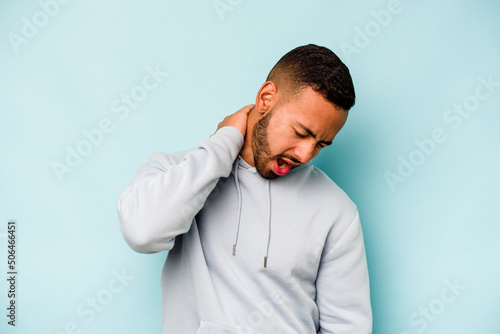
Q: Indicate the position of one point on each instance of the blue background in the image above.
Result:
(436, 226)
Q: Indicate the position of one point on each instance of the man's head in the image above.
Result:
(298, 110)
(316, 67)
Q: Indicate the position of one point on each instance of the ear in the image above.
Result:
(267, 97)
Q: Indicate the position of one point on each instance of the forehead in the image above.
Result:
(312, 110)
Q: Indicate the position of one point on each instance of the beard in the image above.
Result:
(260, 147)
(262, 154)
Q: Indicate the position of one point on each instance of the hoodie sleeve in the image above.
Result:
(165, 195)
(343, 291)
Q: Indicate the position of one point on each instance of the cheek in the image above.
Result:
(316, 151)
(282, 144)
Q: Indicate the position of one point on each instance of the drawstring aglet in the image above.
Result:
(265, 261)
(234, 250)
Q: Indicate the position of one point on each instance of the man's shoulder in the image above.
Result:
(321, 184)
(320, 179)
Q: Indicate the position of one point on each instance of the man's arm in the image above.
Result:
(343, 291)
(165, 196)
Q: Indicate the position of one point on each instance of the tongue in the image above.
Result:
(281, 171)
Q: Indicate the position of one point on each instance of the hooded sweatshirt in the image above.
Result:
(247, 254)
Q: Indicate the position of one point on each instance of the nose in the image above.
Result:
(305, 151)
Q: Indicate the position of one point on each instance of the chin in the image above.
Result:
(265, 171)
(269, 175)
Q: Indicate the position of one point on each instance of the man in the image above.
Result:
(259, 240)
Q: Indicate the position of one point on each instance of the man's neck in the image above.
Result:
(246, 152)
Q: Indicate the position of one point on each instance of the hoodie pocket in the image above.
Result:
(210, 328)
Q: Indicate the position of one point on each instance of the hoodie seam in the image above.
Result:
(343, 234)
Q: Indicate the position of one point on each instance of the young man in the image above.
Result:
(259, 240)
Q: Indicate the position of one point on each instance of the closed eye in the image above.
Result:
(300, 134)
(320, 144)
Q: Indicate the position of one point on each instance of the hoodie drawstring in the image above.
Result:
(268, 221)
(238, 217)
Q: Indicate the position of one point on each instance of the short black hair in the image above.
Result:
(319, 68)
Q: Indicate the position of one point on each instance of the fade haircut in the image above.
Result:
(316, 67)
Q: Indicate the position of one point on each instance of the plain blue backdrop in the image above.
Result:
(89, 89)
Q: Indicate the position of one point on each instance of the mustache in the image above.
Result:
(289, 157)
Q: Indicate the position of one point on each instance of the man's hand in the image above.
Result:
(237, 120)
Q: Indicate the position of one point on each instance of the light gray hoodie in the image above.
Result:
(246, 254)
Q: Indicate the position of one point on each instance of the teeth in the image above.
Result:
(283, 166)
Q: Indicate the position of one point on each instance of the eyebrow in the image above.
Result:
(310, 132)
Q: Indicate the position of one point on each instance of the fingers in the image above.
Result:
(247, 109)
(238, 119)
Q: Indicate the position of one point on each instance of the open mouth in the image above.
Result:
(282, 167)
